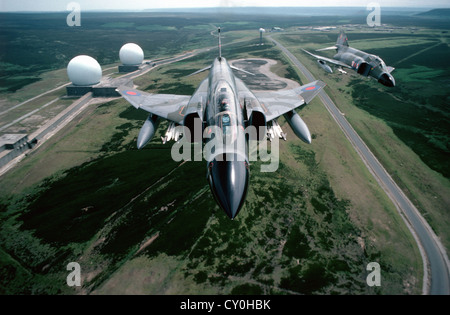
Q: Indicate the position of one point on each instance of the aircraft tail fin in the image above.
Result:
(220, 44)
(242, 70)
(390, 69)
(342, 39)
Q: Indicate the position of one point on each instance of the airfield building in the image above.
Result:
(78, 91)
(11, 146)
(108, 86)
(105, 88)
(126, 69)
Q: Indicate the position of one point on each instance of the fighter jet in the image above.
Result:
(363, 63)
(223, 105)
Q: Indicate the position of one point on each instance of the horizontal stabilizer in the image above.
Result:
(199, 71)
(328, 48)
(242, 70)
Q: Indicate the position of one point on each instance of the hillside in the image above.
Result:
(438, 13)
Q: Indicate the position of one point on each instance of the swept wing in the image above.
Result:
(168, 106)
(336, 62)
(278, 103)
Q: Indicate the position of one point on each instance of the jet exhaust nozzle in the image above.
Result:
(298, 126)
(228, 176)
(147, 131)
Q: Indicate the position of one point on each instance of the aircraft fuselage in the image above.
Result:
(228, 166)
(365, 64)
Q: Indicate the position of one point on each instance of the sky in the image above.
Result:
(61, 5)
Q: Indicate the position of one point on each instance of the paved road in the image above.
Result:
(436, 265)
(33, 98)
(28, 114)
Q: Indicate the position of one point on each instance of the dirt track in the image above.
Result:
(263, 79)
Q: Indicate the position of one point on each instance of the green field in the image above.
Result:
(138, 222)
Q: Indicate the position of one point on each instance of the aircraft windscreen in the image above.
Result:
(226, 124)
(378, 62)
(226, 121)
(226, 118)
(224, 103)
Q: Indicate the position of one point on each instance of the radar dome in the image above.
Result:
(131, 55)
(84, 70)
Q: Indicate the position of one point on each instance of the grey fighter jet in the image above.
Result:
(363, 63)
(223, 105)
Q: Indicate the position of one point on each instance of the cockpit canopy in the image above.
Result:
(224, 97)
(226, 118)
(226, 121)
(223, 102)
(377, 62)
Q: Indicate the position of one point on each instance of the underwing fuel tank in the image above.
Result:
(298, 126)
(147, 131)
(324, 66)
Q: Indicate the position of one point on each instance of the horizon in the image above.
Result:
(391, 8)
(141, 5)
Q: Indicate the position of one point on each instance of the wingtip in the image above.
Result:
(319, 83)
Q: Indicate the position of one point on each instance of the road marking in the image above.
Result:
(33, 98)
(28, 114)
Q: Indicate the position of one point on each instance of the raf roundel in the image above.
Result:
(132, 93)
(84, 70)
(131, 55)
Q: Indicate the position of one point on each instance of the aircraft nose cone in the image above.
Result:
(228, 179)
(387, 80)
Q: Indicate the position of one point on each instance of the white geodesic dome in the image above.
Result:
(131, 55)
(84, 70)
